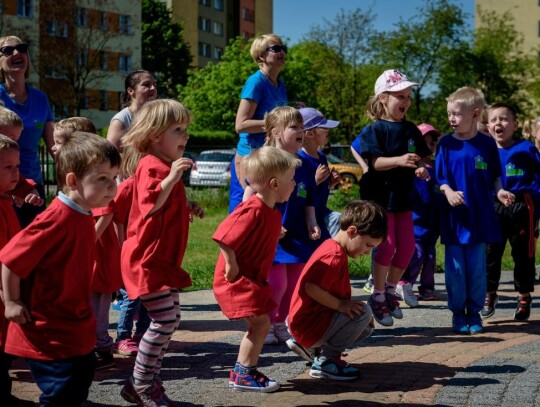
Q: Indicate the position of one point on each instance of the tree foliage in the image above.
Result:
(164, 51)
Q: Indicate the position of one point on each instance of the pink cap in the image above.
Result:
(426, 128)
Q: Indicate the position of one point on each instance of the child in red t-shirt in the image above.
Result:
(156, 238)
(46, 271)
(323, 319)
(247, 240)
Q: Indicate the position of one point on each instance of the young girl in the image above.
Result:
(156, 238)
(392, 148)
(284, 130)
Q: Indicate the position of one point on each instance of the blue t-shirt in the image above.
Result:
(520, 168)
(34, 113)
(391, 189)
(296, 247)
(427, 200)
(267, 96)
(470, 166)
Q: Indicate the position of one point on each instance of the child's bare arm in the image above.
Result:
(177, 169)
(313, 228)
(231, 265)
(454, 198)
(348, 307)
(102, 223)
(505, 197)
(16, 310)
(408, 160)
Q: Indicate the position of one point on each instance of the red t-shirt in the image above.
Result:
(24, 186)
(328, 268)
(155, 244)
(106, 274)
(252, 231)
(123, 200)
(54, 257)
(9, 226)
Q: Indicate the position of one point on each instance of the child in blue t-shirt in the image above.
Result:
(467, 167)
(520, 174)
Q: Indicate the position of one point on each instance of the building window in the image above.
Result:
(84, 100)
(103, 23)
(103, 100)
(82, 58)
(204, 49)
(218, 52)
(204, 24)
(24, 8)
(218, 28)
(205, 2)
(81, 17)
(103, 60)
(65, 30)
(247, 15)
(124, 63)
(124, 24)
(218, 5)
(50, 27)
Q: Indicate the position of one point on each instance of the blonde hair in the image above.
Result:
(259, 45)
(82, 151)
(152, 120)
(278, 119)
(375, 108)
(9, 118)
(268, 162)
(77, 123)
(469, 97)
(530, 127)
(8, 144)
(130, 160)
(2, 42)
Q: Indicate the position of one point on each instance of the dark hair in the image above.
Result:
(368, 217)
(502, 105)
(131, 81)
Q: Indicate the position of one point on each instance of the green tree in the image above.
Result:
(213, 92)
(164, 51)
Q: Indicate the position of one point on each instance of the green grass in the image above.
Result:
(202, 252)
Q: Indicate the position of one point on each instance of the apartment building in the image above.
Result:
(210, 24)
(81, 51)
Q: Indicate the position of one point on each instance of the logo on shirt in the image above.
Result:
(411, 146)
(479, 163)
(512, 171)
(301, 192)
(38, 125)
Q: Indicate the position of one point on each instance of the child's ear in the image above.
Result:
(352, 231)
(476, 113)
(71, 181)
(273, 183)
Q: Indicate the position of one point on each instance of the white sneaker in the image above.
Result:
(405, 292)
(281, 332)
(271, 338)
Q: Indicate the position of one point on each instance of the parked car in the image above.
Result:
(212, 168)
(341, 159)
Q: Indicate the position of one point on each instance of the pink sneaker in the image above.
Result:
(126, 347)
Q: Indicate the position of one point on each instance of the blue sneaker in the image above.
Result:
(255, 381)
(459, 324)
(475, 323)
(232, 378)
(335, 369)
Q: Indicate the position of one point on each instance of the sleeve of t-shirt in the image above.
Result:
(236, 228)
(24, 186)
(370, 145)
(106, 210)
(252, 89)
(148, 187)
(440, 166)
(123, 199)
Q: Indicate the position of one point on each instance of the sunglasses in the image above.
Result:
(9, 49)
(277, 48)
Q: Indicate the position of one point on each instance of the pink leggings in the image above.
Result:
(398, 248)
(283, 278)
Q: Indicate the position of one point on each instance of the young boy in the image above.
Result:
(323, 319)
(467, 167)
(64, 129)
(9, 226)
(520, 168)
(248, 240)
(46, 270)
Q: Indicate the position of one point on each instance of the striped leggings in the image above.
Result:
(164, 312)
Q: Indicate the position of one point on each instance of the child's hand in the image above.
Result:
(282, 233)
(231, 272)
(336, 179)
(33, 198)
(195, 210)
(322, 173)
(506, 198)
(455, 198)
(408, 160)
(178, 167)
(422, 173)
(351, 308)
(315, 232)
(17, 312)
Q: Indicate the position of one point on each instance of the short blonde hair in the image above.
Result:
(279, 118)
(259, 45)
(530, 127)
(152, 120)
(8, 144)
(268, 162)
(2, 42)
(469, 97)
(77, 123)
(82, 151)
(9, 118)
(375, 108)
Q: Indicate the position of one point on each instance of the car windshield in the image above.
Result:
(333, 159)
(215, 157)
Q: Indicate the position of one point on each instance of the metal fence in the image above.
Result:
(47, 168)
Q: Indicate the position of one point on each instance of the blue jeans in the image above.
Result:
(236, 192)
(465, 277)
(127, 313)
(332, 222)
(63, 382)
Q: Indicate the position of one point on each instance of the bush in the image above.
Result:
(200, 140)
(340, 198)
(210, 199)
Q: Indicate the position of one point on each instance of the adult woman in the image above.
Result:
(139, 88)
(33, 108)
(261, 93)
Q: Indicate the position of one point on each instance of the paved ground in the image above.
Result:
(418, 361)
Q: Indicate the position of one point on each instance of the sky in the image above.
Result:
(294, 18)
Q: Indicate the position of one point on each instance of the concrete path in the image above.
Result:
(418, 361)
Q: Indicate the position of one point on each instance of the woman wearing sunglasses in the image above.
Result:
(33, 108)
(261, 93)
